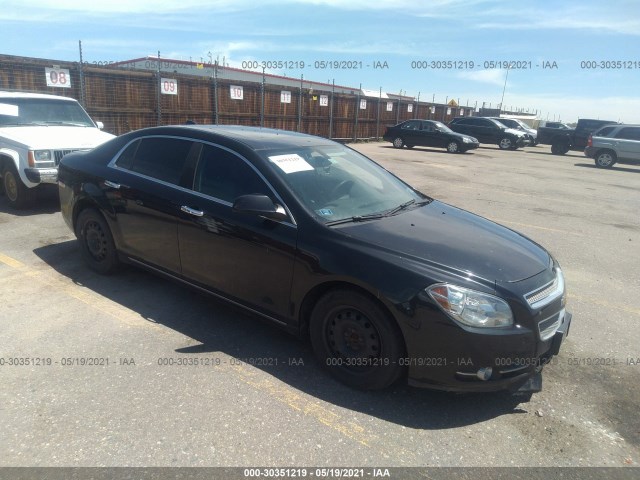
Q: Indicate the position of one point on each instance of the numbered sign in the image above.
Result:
(324, 100)
(433, 109)
(410, 108)
(285, 97)
(58, 77)
(449, 111)
(237, 92)
(389, 106)
(363, 104)
(462, 112)
(168, 86)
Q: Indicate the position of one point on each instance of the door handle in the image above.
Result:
(192, 211)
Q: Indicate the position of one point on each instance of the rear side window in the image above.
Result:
(223, 175)
(412, 125)
(158, 157)
(629, 133)
(126, 158)
(604, 131)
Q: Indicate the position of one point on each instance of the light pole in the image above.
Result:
(504, 87)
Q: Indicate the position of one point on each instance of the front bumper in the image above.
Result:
(41, 175)
(460, 361)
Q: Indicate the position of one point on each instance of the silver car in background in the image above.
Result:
(612, 143)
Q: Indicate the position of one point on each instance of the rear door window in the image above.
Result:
(629, 133)
(158, 157)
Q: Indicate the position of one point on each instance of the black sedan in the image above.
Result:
(428, 133)
(322, 241)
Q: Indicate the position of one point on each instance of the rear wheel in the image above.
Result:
(559, 148)
(356, 341)
(453, 147)
(18, 194)
(605, 159)
(398, 142)
(96, 242)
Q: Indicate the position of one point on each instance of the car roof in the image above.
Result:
(44, 96)
(256, 138)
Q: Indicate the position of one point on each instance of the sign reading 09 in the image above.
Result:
(168, 86)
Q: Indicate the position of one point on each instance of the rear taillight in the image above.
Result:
(590, 140)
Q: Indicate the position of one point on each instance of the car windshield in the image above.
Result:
(38, 111)
(335, 183)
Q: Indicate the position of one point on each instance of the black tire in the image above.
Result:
(559, 148)
(453, 147)
(18, 194)
(96, 242)
(398, 142)
(506, 143)
(605, 159)
(356, 341)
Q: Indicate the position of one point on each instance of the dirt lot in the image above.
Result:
(111, 379)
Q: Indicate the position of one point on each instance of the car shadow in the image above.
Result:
(46, 201)
(426, 149)
(218, 327)
(615, 167)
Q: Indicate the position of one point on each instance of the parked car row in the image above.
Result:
(462, 134)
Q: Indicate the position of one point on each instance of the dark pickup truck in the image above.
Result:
(563, 140)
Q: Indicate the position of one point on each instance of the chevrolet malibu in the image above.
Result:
(318, 239)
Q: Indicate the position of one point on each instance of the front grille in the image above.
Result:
(58, 154)
(547, 293)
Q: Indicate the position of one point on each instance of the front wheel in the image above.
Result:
(356, 341)
(505, 143)
(605, 159)
(453, 147)
(398, 142)
(18, 194)
(96, 242)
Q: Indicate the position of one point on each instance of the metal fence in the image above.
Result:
(125, 99)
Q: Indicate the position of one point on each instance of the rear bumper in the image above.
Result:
(590, 152)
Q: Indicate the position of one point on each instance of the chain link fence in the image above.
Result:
(126, 99)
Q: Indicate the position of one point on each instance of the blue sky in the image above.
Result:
(398, 32)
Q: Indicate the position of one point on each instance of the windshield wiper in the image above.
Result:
(376, 216)
(357, 218)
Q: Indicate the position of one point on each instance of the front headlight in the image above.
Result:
(41, 159)
(472, 308)
(466, 139)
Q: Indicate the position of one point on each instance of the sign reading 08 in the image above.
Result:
(57, 77)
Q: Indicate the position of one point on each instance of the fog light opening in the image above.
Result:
(484, 373)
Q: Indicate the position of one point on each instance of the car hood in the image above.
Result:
(55, 137)
(513, 131)
(462, 136)
(442, 235)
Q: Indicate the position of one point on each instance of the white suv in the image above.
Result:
(36, 131)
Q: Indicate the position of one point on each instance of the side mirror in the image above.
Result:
(261, 205)
(100, 125)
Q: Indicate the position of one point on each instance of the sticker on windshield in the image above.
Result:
(8, 109)
(291, 163)
(325, 212)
